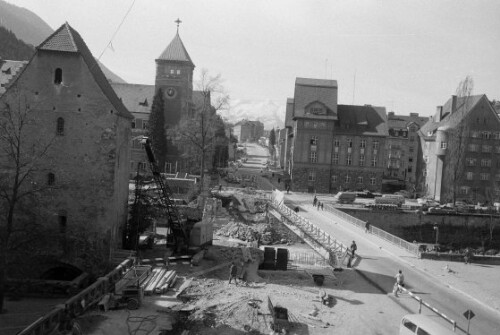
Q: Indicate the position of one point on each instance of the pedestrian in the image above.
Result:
(322, 207)
(273, 175)
(367, 227)
(467, 254)
(287, 189)
(354, 247)
(220, 188)
(400, 282)
(297, 209)
(315, 200)
(233, 272)
(279, 180)
(319, 205)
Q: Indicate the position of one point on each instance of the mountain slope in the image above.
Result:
(27, 26)
(12, 48)
(268, 112)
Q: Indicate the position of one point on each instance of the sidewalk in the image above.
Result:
(475, 281)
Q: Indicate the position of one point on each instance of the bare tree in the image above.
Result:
(458, 136)
(197, 133)
(20, 156)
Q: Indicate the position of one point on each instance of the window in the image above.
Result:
(444, 145)
(411, 149)
(420, 331)
(486, 135)
(470, 161)
(360, 180)
(485, 176)
(486, 148)
(144, 124)
(336, 143)
(141, 166)
(412, 138)
(313, 157)
(496, 136)
(349, 143)
(362, 144)
(347, 179)
(469, 176)
(372, 180)
(334, 178)
(485, 162)
(497, 149)
(335, 158)
(410, 325)
(51, 178)
(362, 160)
(374, 162)
(58, 76)
(133, 124)
(314, 140)
(349, 159)
(178, 71)
(375, 145)
(473, 147)
(464, 190)
(312, 176)
(62, 217)
(172, 71)
(474, 134)
(60, 126)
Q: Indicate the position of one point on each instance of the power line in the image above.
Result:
(117, 29)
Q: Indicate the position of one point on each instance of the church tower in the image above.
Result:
(174, 75)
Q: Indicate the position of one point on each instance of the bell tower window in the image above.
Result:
(58, 76)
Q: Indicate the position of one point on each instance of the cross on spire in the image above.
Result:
(178, 22)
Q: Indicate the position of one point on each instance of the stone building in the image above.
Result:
(333, 147)
(76, 140)
(461, 150)
(403, 150)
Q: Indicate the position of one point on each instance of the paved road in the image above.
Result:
(380, 264)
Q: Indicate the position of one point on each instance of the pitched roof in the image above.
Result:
(9, 69)
(402, 121)
(362, 120)
(309, 90)
(66, 39)
(136, 98)
(464, 105)
(176, 51)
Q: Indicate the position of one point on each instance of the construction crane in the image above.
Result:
(176, 223)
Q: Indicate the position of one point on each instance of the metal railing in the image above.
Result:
(61, 315)
(410, 247)
(332, 245)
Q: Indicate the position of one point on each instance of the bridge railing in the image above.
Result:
(77, 304)
(410, 247)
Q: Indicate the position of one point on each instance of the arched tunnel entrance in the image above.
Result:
(61, 271)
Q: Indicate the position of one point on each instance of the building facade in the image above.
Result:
(461, 150)
(76, 138)
(333, 147)
(403, 149)
(247, 130)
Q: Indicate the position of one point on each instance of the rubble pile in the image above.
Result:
(240, 231)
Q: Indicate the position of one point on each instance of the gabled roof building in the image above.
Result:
(461, 150)
(332, 147)
(78, 132)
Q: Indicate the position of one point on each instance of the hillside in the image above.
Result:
(12, 48)
(271, 114)
(27, 26)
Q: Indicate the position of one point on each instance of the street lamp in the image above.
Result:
(436, 228)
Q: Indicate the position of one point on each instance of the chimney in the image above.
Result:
(439, 114)
(453, 104)
(391, 114)
(414, 114)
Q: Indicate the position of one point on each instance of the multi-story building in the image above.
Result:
(461, 150)
(74, 147)
(403, 149)
(334, 147)
(247, 130)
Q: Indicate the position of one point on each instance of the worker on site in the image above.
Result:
(233, 273)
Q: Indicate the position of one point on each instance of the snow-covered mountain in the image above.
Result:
(271, 114)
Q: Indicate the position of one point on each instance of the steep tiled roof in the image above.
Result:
(176, 51)
(309, 90)
(362, 120)
(66, 39)
(402, 121)
(9, 69)
(452, 119)
(136, 98)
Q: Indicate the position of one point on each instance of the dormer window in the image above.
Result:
(58, 76)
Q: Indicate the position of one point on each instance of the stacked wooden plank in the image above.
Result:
(159, 281)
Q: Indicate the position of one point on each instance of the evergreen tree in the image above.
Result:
(156, 129)
(272, 138)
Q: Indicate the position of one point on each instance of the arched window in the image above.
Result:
(58, 76)
(51, 178)
(60, 126)
(62, 220)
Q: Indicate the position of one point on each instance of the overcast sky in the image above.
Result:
(408, 56)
